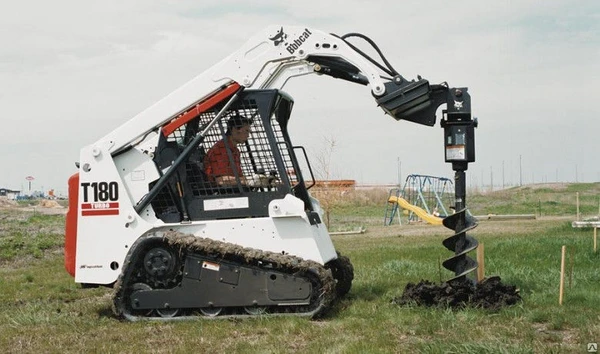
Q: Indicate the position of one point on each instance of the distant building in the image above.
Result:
(9, 194)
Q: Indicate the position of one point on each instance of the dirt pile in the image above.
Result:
(5, 203)
(490, 294)
(45, 203)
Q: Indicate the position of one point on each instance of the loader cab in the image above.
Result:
(192, 195)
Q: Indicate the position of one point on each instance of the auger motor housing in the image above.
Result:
(459, 129)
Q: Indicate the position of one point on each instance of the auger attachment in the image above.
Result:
(459, 142)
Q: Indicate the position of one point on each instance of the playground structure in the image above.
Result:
(423, 197)
(421, 213)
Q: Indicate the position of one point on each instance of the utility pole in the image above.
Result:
(399, 173)
(502, 174)
(510, 175)
(520, 172)
(482, 184)
(491, 179)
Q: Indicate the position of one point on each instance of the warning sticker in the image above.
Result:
(226, 203)
(455, 152)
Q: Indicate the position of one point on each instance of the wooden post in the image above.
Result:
(480, 263)
(562, 275)
(595, 239)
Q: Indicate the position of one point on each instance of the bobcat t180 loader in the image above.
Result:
(145, 218)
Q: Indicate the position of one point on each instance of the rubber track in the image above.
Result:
(343, 272)
(189, 244)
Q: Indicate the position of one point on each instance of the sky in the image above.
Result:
(73, 71)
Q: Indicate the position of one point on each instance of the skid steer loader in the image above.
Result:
(145, 217)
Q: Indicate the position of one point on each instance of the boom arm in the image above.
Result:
(269, 60)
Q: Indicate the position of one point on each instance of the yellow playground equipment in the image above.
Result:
(425, 198)
(421, 213)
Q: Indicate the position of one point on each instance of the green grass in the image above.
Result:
(542, 200)
(29, 234)
(43, 310)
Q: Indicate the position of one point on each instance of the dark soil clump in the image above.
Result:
(490, 294)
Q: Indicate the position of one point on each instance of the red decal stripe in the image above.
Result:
(200, 108)
(96, 212)
(99, 206)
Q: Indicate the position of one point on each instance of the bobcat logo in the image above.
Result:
(279, 38)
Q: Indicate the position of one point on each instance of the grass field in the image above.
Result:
(43, 310)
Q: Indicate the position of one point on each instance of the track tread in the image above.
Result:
(187, 243)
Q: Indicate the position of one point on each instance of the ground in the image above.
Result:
(43, 206)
